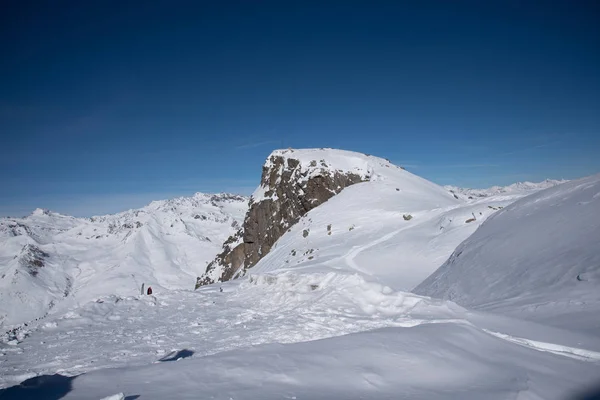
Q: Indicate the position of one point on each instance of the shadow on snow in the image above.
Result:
(43, 387)
(177, 355)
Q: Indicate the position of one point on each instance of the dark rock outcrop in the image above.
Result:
(32, 258)
(288, 190)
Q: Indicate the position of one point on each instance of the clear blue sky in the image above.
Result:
(106, 105)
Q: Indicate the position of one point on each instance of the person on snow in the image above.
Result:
(149, 292)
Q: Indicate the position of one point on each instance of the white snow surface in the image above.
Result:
(165, 245)
(515, 190)
(315, 335)
(363, 229)
(326, 315)
(538, 259)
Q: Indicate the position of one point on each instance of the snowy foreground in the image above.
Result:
(277, 337)
(329, 313)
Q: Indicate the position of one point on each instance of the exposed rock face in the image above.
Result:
(32, 259)
(288, 190)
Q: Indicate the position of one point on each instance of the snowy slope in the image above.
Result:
(538, 258)
(302, 190)
(325, 314)
(430, 361)
(397, 228)
(301, 335)
(49, 260)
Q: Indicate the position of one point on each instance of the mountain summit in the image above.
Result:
(293, 183)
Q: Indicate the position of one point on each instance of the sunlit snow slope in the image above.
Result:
(516, 190)
(50, 261)
(538, 258)
(324, 315)
(397, 228)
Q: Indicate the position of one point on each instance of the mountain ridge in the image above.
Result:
(47, 258)
(294, 182)
(555, 274)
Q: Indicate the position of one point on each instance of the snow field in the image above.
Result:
(326, 314)
(536, 259)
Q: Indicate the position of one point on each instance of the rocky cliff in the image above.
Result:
(293, 182)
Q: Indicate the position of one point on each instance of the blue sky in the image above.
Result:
(105, 106)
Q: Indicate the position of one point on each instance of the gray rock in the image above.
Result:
(32, 258)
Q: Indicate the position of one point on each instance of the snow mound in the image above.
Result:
(538, 257)
(428, 361)
(291, 289)
(118, 396)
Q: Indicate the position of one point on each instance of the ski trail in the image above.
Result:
(566, 351)
(356, 250)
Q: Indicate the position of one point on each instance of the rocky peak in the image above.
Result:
(42, 211)
(293, 182)
(32, 258)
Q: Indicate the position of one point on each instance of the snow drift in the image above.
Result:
(539, 258)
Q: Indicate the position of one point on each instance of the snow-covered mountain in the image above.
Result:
(538, 259)
(293, 182)
(330, 245)
(50, 261)
(386, 223)
(515, 190)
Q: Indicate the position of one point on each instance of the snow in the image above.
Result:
(390, 363)
(313, 162)
(118, 396)
(369, 235)
(537, 259)
(515, 190)
(303, 335)
(166, 245)
(328, 314)
(276, 336)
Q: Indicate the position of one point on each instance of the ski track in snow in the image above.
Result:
(566, 351)
(349, 258)
(356, 250)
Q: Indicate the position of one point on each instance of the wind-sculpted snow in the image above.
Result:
(428, 361)
(538, 258)
(50, 261)
(138, 329)
(317, 335)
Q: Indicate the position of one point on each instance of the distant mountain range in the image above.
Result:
(49, 260)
